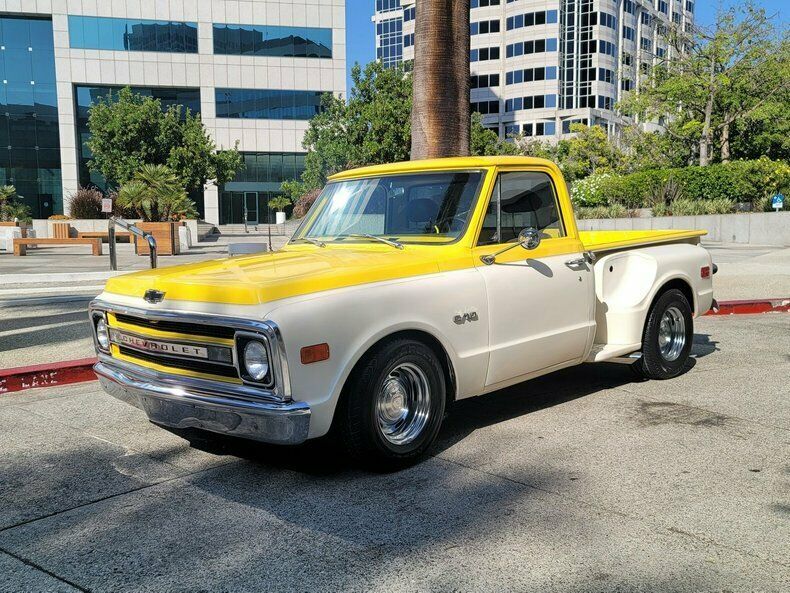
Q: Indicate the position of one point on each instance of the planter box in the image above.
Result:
(166, 235)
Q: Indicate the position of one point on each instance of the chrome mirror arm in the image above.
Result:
(528, 238)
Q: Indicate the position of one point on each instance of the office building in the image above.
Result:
(254, 70)
(538, 66)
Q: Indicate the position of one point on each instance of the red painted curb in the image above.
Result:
(46, 375)
(750, 307)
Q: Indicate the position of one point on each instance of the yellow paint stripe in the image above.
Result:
(156, 333)
(116, 353)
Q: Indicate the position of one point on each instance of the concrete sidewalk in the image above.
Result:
(582, 481)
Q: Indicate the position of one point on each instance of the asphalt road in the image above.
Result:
(581, 481)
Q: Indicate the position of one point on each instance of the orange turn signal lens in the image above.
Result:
(314, 353)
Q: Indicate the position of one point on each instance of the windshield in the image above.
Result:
(418, 207)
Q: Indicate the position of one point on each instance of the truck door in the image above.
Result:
(540, 301)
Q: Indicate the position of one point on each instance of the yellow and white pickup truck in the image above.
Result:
(407, 286)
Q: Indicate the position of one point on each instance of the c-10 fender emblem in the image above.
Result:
(462, 318)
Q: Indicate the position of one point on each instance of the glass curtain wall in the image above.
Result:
(29, 139)
(256, 184)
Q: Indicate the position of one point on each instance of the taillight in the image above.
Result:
(704, 272)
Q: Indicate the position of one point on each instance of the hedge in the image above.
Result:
(737, 181)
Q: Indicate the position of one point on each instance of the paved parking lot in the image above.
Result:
(582, 481)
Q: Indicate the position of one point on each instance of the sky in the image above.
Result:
(361, 44)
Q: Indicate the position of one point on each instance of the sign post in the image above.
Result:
(778, 202)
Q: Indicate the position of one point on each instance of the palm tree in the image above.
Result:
(440, 118)
(156, 195)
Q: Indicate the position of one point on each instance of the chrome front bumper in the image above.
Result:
(181, 402)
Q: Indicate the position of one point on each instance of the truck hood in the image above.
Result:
(262, 278)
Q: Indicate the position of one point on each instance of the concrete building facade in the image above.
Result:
(254, 70)
(538, 66)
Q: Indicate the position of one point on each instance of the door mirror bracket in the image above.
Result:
(528, 238)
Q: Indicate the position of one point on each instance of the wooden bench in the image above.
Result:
(21, 245)
(104, 235)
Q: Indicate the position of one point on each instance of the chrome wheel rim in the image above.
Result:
(672, 334)
(403, 404)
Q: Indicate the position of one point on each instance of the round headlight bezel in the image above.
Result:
(258, 369)
(102, 332)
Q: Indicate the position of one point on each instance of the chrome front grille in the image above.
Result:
(193, 345)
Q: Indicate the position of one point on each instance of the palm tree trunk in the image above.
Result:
(440, 117)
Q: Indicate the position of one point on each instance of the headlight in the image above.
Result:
(102, 335)
(256, 360)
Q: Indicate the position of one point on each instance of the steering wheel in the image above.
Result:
(452, 223)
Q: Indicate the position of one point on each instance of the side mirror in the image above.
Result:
(529, 238)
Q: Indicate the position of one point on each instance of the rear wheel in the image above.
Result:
(393, 405)
(667, 337)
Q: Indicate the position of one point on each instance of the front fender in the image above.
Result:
(352, 320)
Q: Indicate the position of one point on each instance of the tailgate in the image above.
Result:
(612, 240)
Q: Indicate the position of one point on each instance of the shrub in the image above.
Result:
(156, 195)
(279, 203)
(10, 208)
(86, 203)
(610, 211)
(737, 181)
(588, 191)
(305, 202)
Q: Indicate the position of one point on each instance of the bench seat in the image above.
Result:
(21, 245)
(104, 235)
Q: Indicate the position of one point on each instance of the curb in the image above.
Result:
(750, 307)
(46, 375)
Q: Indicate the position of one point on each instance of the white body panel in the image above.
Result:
(541, 315)
(530, 319)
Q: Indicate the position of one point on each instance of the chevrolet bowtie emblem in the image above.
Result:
(154, 296)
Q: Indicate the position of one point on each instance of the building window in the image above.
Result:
(537, 46)
(408, 14)
(676, 18)
(29, 138)
(531, 102)
(606, 47)
(483, 3)
(608, 20)
(548, 128)
(566, 125)
(628, 59)
(606, 75)
(484, 54)
(484, 107)
(92, 32)
(627, 84)
(267, 103)
(646, 18)
(85, 96)
(267, 40)
(605, 102)
(663, 6)
(530, 19)
(385, 5)
(390, 42)
(690, 6)
(481, 81)
(661, 52)
(629, 33)
(483, 27)
(408, 40)
(629, 7)
(646, 44)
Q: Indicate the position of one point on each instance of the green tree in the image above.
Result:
(156, 194)
(720, 77)
(372, 128)
(485, 142)
(129, 130)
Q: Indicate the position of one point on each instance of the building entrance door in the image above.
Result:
(251, 203)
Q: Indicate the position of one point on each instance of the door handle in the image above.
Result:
(587, 258)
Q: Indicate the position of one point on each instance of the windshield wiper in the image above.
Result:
(309, 240)
(389, 242)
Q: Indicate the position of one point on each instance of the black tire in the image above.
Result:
(664, 358)
(360, 412)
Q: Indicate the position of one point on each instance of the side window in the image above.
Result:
(521, 200)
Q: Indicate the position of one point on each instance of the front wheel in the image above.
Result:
(667, 337)
(393, 405)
